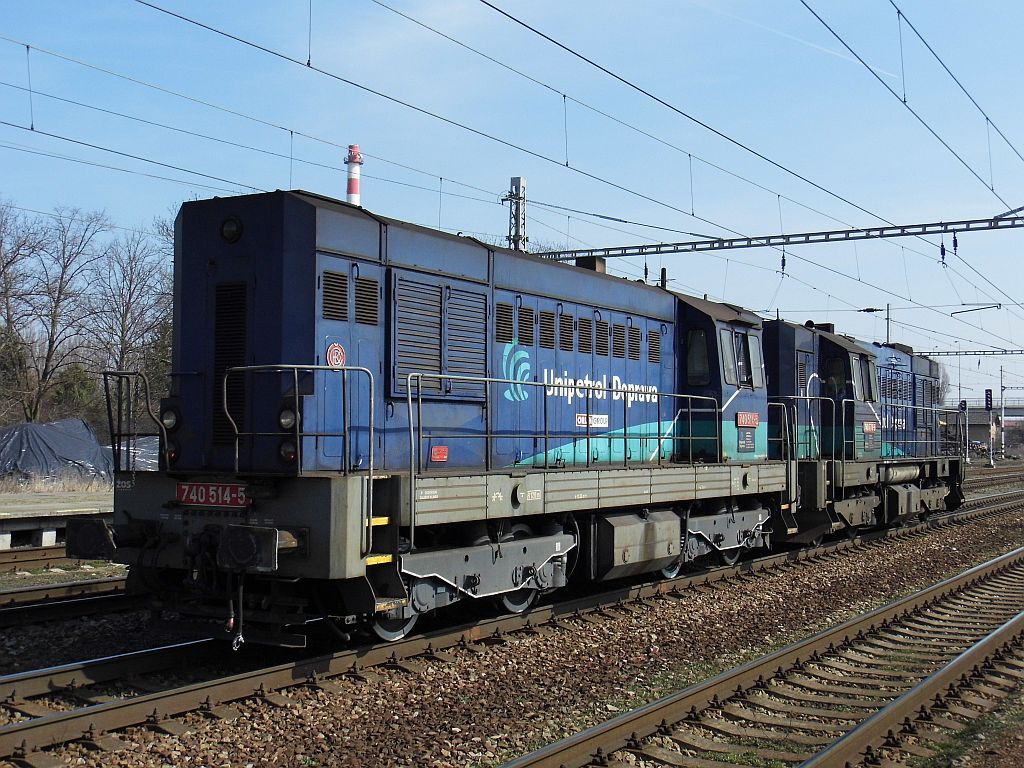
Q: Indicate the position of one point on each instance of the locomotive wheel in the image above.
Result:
(672, 570)
(730, 556)
(391, 630)
(520, 599)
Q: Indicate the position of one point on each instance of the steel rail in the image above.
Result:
(26, 558)
(874, 730)
(27, 605)
(596, 743)
(112, 601)
(21, 739)
(64, 591)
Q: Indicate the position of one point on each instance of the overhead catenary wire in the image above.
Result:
(736, 142)
(717, 225)
(429, 113)
(956, 80)
(386, 160)
(134, 172)
(927, 126)
(233, 112)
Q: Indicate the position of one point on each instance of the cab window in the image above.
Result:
(858, 385)
(756, 363)
(728, 355)
(698, 372)
(743, 375)
(835, 377)
(867, 373)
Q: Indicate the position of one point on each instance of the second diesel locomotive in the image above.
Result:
(369, 420)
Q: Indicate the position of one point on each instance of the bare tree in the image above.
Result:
(128, 297)
(944, 383)
(57, 306)
(21, 240)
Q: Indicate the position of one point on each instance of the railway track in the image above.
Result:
(30, 558)
(51, 602)
(89, 701)
(973, 483)
(894, 680)
(65, 600)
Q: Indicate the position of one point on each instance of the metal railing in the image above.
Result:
(916, 431)
(298, 433)
(812, 438)
(543, 432)
(121, 417)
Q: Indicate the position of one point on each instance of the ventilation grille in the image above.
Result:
(229, 336)
(547, 330)
(565, 332)
(586, 335)
(654, 347)
(636, 338)
(418, 334)
(618, 340)
(526, 326)
(601, 339)
(466, 340)
(503, 330)
(335, 296)
(801, 375)
(367, 301)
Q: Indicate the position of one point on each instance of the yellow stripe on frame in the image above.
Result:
(379, 559)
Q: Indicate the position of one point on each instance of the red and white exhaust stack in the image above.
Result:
(353, 161)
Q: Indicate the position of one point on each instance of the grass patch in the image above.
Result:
(1010, 715)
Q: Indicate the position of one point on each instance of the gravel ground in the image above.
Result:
(482, 709)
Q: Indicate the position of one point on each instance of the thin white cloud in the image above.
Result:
(794, 38)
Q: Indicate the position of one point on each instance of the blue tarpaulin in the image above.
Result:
(66, 448)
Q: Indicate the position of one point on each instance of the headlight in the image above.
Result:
(231, 229)
(287, 419)
(287, 451)
(169, 419)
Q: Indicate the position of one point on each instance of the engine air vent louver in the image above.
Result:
(229, 346)
(618, 340)
(367, 301)
(547, 329)
(586, 335)
(601, 338)
(335, 296)
(636, 338)
(654, 347)
(503, 326)
(526, 326)
(565, 333)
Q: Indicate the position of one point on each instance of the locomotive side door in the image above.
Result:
(350, 318)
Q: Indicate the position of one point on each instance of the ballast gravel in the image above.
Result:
(482, 709)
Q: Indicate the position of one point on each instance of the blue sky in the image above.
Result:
(767, 74)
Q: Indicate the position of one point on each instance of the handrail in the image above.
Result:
(808, 399)
(415, 411)
(366, 540)
(115, 435)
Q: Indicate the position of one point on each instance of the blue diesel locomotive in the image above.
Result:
(369, 420)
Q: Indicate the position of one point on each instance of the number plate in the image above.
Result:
(213, 495)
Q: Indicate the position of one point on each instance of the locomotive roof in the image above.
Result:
(845, 342)
(727, 313)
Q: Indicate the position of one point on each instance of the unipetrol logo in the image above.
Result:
(515, 366)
